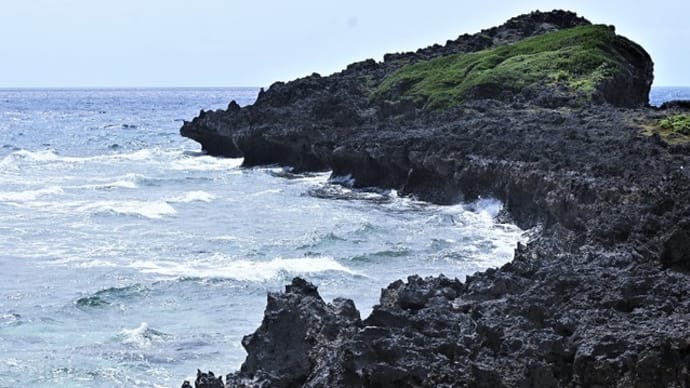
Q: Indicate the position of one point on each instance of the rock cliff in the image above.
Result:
(547, 113)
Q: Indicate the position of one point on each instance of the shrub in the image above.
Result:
(679, 123)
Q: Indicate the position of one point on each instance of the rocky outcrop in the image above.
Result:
(307, 107)
(205, 380)
(600, 297)
(502, 328)
(291, 338)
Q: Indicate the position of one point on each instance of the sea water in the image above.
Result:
(129, 258)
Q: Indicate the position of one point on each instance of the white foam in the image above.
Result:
(121, 184)
(345, 180)
(205, 163)
(225, 238)
(264, 192)
(96, 264)
(148, 209)
(192, 196)
(127, 181)
(243, 270)
(144, 154)
(77, 261)
(480, 213)
(79, 258)
(141, 336)
(39, 156)
(488, 206)
(43, 156)
(28, 195)
(317, 178)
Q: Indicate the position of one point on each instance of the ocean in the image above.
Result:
(129, 258)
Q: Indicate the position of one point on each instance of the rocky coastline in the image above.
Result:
(600, 296)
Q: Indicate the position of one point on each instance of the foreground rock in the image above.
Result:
(496, 330)
(601, 297)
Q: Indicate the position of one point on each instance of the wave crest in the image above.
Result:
(110, 295)
(205, 163)
(142, 336)
(28, 195)
(147, 209)
(241, 270)
(18, 161)
(192, 196)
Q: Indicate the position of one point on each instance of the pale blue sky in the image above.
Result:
(117, 43)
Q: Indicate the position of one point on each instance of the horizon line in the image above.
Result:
(11, 88)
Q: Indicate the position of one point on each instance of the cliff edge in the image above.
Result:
(547, 113)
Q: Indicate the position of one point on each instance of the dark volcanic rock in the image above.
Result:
(601, 295)
(282, 353)
(676, 248)
(205, 380)
(630, 88)
(309, 109)
(439, 332)
(676, 104)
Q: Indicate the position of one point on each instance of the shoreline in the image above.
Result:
(600, 297)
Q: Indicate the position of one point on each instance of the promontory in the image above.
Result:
(547, 113)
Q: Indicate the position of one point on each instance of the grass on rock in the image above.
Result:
(677, 123)
(578, 58)
(674, 129)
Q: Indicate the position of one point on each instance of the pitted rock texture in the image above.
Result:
(600, 297)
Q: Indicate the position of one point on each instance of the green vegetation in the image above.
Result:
(579, 58)
(676, 123)
(674, 129)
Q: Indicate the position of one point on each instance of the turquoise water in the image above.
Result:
(128, 258)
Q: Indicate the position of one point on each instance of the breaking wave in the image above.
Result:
(154, 209)
(205, 163)
(29, 195)
(142, 336)
(147, 209)
(192, 196)
(50, 155)
(241, 270)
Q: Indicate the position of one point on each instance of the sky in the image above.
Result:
(218, 43)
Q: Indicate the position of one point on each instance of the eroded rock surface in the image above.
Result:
(601, 297)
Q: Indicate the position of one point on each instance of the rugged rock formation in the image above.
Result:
(308, 107)
(601, 297)
(499, 329)
(206, 380)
